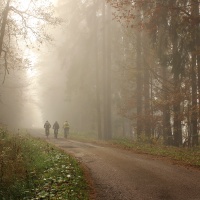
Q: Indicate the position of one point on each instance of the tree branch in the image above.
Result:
(6, 65)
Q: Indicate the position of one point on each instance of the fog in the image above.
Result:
(31, 95)
(59, 84)
(81, 76)
(111, 69)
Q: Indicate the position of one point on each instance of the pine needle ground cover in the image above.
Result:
(32, 169)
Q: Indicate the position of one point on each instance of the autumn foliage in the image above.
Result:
(167, 66)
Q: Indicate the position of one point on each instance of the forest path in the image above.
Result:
(123, 175)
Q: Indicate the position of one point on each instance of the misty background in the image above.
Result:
(115, 68)
(60, 82)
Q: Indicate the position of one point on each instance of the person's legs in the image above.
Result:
(55, 133)
(47, 132)
(65, 133)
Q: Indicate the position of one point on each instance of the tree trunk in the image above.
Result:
(197, 14)
(176, 101)
(194, 103)
(147, 113)
(198, 67)
(108, 81)
(195, 36)
(98, 102)
(139, 85)
(3, 26)
(107, 70)
(167, 133)
(105, 127)
(162, 49)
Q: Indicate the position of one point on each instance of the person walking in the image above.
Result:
(56, 127)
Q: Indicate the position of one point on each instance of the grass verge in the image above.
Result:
(188, 156)
(32, 169)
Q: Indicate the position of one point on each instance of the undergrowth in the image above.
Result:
(32, 169)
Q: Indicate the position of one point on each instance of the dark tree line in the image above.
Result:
(167, 89)
(136, 63)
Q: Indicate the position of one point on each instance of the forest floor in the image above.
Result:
(118, 174)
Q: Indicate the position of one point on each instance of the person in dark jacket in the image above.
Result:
(47, 126)
(56, 127)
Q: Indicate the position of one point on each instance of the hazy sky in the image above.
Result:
(47, 85)
(39, 91)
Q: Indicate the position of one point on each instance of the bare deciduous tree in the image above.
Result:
(22, 24)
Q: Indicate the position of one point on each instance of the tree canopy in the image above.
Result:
(23, 24)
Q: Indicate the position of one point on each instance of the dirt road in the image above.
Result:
(122, 175)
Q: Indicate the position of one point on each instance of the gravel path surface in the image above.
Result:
(123, 175)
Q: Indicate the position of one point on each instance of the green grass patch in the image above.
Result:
(189, 156)
(33, 169)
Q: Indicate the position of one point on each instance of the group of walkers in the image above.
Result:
(56, 126)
